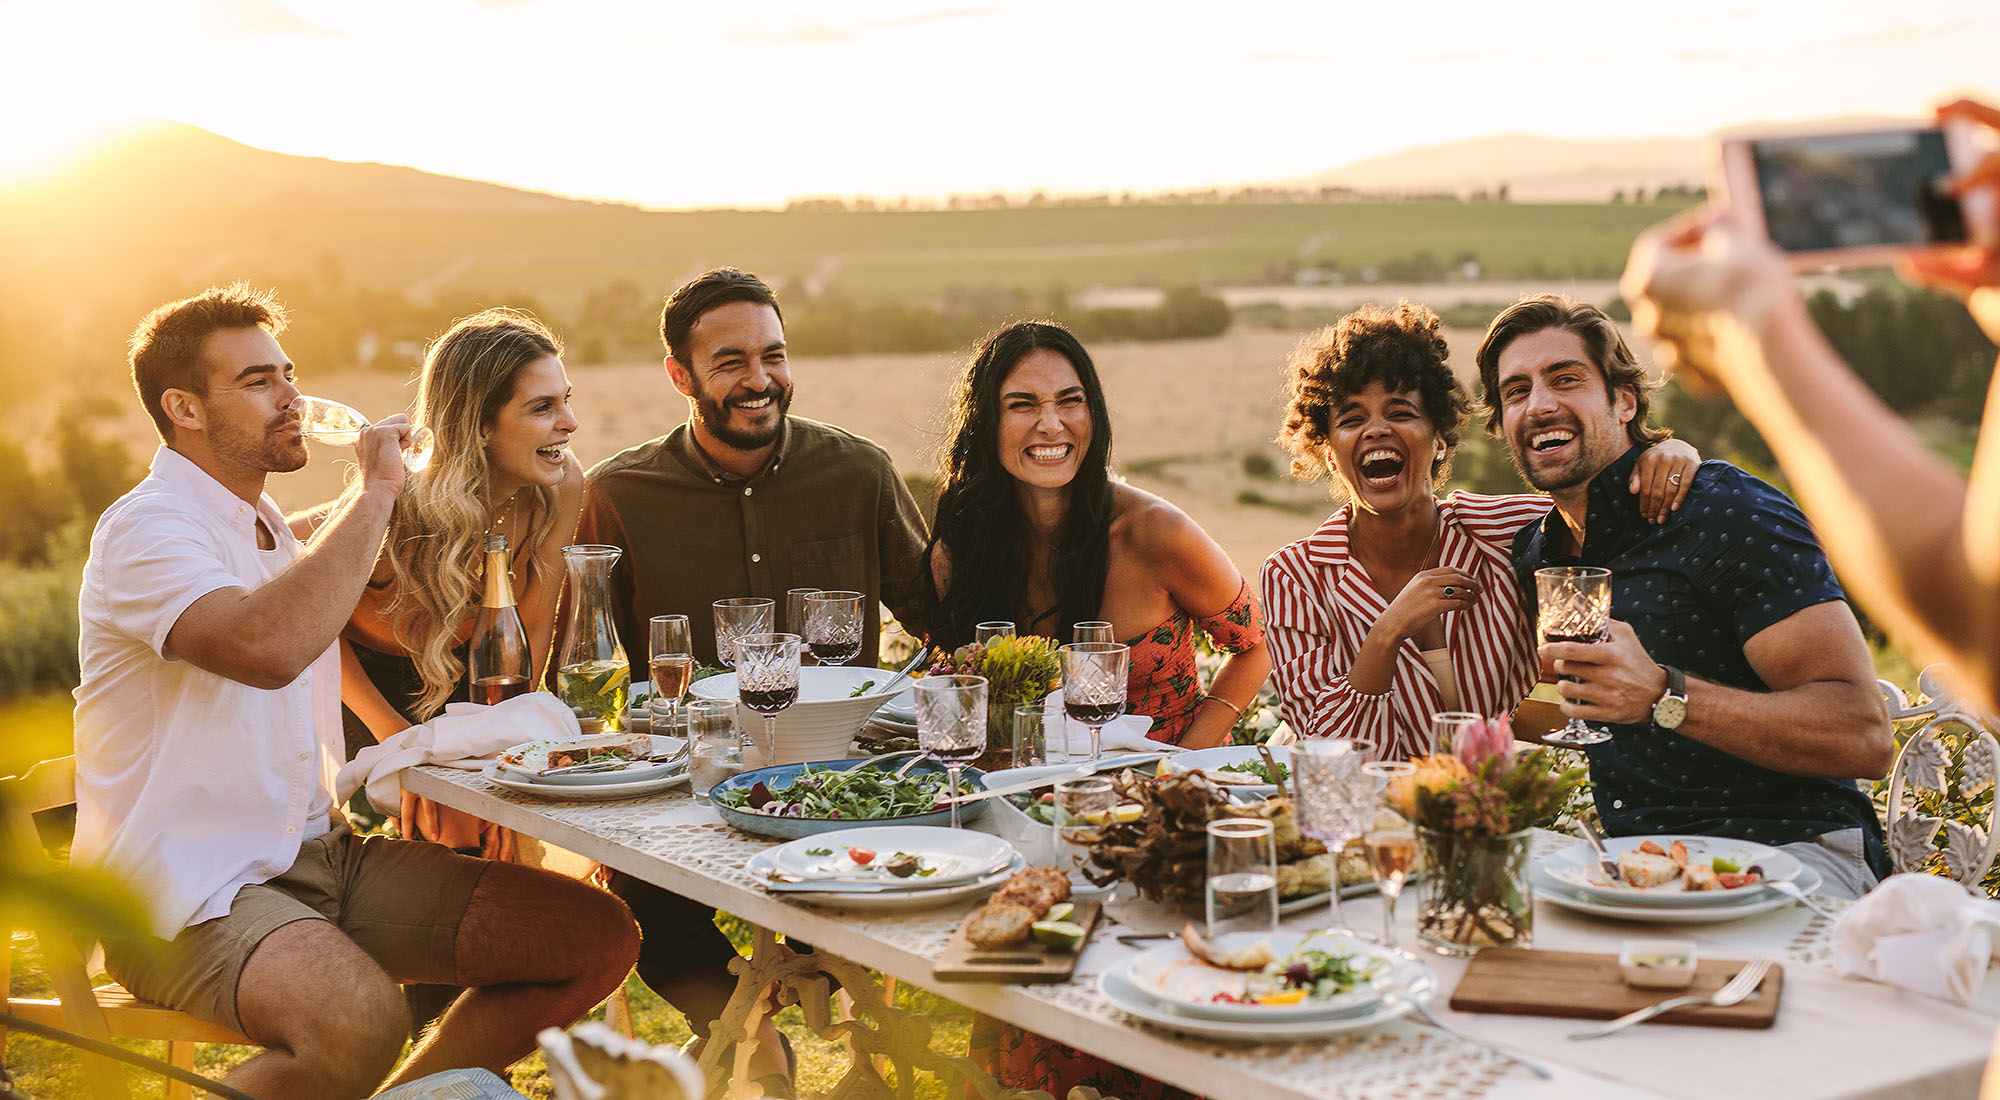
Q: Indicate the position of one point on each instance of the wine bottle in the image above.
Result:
(497, 666)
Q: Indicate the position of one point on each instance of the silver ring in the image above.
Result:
(1673, 479)
(1448, 590)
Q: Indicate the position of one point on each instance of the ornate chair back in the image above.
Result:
(1942, 804)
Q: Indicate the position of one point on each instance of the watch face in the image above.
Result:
(1669, 712)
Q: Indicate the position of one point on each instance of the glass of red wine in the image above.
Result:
(951, 725)
(1575, 606)
(833, 626)
(1094, 678)
(767, 681)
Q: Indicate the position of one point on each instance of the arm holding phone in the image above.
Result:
(1916, 542)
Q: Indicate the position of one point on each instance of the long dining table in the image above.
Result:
(1833, 1037)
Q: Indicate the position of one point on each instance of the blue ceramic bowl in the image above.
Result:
(793, 827)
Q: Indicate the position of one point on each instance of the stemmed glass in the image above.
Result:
(1336, 802)
(1094, 683)
(767, 680)
(329, 421)
(1093, 630)
(735, 618)
(833, 626)
(1391, 845)
(951, 724)
(987, 631)
(670, 659)
(1575, 602)
(795, 609)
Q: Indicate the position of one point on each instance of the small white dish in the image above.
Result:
(1657, 964)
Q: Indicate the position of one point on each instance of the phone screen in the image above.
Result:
(1857, 190)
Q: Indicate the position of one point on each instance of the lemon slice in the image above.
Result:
(1131, 811)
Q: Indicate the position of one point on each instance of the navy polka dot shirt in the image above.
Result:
(1738, 557)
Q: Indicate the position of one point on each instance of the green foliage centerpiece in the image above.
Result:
(1475, 810)
(1018, 671)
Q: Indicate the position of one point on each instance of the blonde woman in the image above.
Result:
(495, 392)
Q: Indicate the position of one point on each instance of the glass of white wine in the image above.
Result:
(328, 421)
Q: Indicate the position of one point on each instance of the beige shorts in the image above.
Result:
(400, 901)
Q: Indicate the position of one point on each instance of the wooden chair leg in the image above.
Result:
(618, 1013)
(181, 1056)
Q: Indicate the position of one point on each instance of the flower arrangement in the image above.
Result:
(1019, 670)
(1473, 808)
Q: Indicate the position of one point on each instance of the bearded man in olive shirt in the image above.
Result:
(742, 500)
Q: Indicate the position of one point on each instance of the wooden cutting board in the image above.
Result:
(1568, 983)
(1022, 962)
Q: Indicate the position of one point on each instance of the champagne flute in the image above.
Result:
(670, 658)
(951, 724)
(1094, 685)
(329, 421)
(1335, 803)
(767, 681)
(1093, 630)
(1575, 606)
(1391, 844)
(987, 631)
(736, 617)
(833, 626)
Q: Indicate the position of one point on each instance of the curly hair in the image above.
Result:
(438, 526)
(165, 350)
(979, 513)
(1401, 349)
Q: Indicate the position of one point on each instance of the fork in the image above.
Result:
(1739, 989)
(1792, 891)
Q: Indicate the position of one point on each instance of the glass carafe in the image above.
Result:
(593, 677)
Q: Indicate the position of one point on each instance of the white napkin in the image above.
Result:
(1921, 932)
(1124, 734)
(459, 738)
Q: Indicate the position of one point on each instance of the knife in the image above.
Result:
(1604, 860)
(1106, 764)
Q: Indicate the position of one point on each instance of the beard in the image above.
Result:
(1585, 464)
(715, 415)
(257, 448)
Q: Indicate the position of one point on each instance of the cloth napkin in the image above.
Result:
(1922, 932)
(1125, 734)
(461, 737)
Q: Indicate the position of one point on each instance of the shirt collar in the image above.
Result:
(697, 459)
(1327, 546)
(178, 471)
(1612, 520)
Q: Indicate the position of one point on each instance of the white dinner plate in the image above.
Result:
(893, 900)
(1172, 976)
(1211, 761)
(1129, 999)
(953, 855)
(533, 754)
(601, 792)
(1576, 867)
(1555, 893)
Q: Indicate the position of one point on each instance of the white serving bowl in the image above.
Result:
(822, 724)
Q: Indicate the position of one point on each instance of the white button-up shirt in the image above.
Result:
(190, 785)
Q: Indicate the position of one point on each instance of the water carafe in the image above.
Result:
(593, 677)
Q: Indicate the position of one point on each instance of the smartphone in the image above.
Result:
(1843, 196)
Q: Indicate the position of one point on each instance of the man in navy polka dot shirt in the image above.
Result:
(1739, 693)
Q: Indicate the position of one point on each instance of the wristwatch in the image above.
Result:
(1671, 708)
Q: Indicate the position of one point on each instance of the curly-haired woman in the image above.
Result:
(1400, 604)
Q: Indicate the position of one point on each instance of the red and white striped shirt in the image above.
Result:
(1319, 604)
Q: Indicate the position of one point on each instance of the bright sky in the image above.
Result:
(716, 103)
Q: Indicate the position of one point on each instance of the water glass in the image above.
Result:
(1094, 630)
(1082, 805)
(670, 660)
(1445, 728)
(736, 617)
(1574, 603)
(833, 626)
(951, 724)
(716, 749)
(1242, 886)
(1095, 676)
(1335, 801)
(1030, 735)
(987, 631)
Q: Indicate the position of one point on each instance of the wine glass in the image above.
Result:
(329, 421)
(767, 681)
(736, 617)
(1094, 683)
(1335, 802)
(833, 626)
(951, 724)
(1093, 630)
(1575, 602)
(795, 609)
(670, 658)
(987, 631)
(1391, 844)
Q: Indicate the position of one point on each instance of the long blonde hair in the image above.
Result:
(436, 533)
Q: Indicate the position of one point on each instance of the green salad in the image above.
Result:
(856, 794)
(1257, 768)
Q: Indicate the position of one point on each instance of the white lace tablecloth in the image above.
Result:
(1833, 1038)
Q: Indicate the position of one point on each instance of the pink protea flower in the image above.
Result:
(1487, 737)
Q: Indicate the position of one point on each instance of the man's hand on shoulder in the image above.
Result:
(1616, 679)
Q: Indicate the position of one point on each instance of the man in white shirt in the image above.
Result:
(208, 733)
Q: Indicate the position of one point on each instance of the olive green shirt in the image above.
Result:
(828, 511)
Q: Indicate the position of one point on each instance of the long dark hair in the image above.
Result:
(980, 521)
